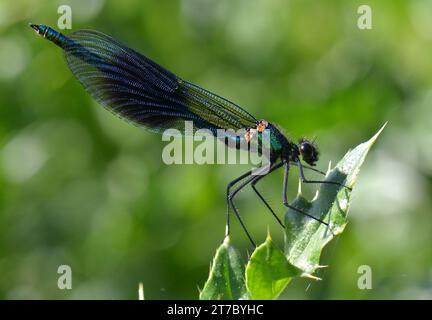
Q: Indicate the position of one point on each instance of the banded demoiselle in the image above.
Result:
(144, 93)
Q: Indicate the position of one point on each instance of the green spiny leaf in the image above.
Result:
(268, 271)
(305, 238)
(226, 279)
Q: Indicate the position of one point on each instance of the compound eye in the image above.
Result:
(309, 152)
(305, 148)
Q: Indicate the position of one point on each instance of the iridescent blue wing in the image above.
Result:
(142, 92)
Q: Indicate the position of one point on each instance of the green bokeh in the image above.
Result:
(80, 187)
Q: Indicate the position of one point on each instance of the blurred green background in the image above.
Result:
(80, 187)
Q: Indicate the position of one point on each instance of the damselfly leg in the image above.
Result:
(285, 196)
(250, 176)
(309, 168)
(253, 180)
(228, 192)
(304, 180)
(253, 185)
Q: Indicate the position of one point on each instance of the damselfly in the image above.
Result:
(144, 93)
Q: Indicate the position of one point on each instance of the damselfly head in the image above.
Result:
(309, 151)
